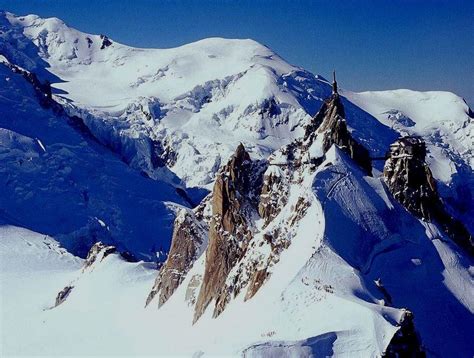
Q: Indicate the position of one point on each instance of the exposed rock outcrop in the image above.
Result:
(188, 242)
(269, 108)
(222, 223)
(105, 42)
(411, 182)
(162, 154)
(274, 193)
(97, 253)
(256, 282)
(331, 124)
(409, 178)
(42, 89)
(405, 342)
(62, 295)
(233, 200)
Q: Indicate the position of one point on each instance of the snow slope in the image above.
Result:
(419, 267)
(57, 180)
(32, 266)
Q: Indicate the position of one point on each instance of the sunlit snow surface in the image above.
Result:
(202, 99)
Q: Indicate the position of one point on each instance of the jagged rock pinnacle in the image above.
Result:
(189, 235)
(330, 123)
(411, 182)
(228, 232)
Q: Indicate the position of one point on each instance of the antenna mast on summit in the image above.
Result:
(334, 82)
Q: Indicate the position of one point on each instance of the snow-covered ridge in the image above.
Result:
(435, 115)
(137, 71)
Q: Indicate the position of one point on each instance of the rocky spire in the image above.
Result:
(189, 237)
(411, 182)
(229, 231)
(409, 178)
(334, 83)
(105, 42)
(330, 123)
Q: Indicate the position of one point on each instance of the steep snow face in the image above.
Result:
(417, 266)
(446, 123)
(57, 180)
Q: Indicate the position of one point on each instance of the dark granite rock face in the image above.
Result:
(411, 182)
(226, 232)
(62, 295)
(229, 231)
(233, 180)
(330, 123)
(189, 237)
(89, 42)
(405, 343)
(42, 90)
(105, 42)
(409, 178)
(331, 107)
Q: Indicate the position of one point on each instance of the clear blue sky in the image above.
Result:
(379, 44)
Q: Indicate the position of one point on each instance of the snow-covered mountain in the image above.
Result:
(286, 218)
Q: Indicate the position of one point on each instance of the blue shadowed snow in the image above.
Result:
(57, 182)
(381, 240)
(24, 51)
(318, 346)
